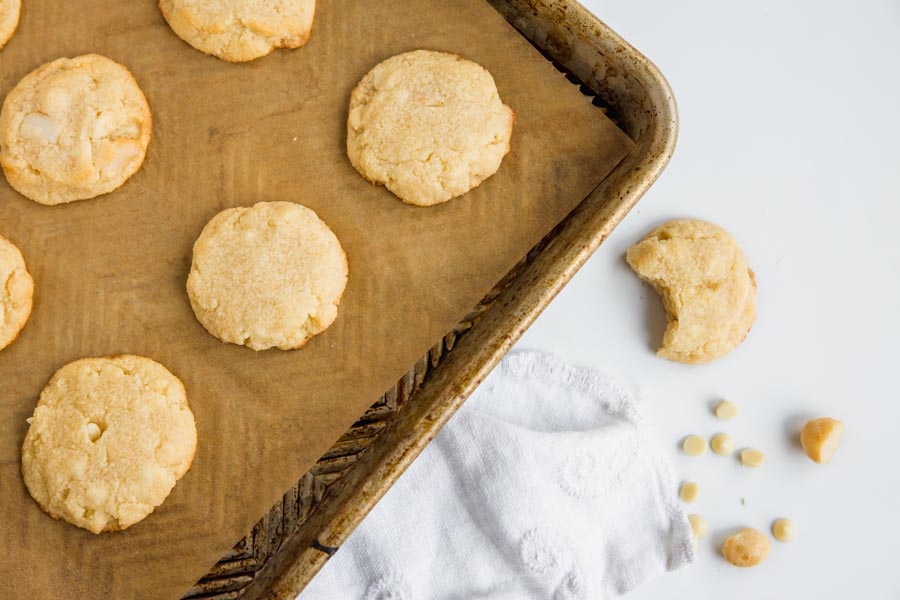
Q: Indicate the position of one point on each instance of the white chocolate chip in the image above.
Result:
(722, 444)
(784, 530)
(752, 458)
(40, 127)
(689, 491)
(694, 445)
(726, 410)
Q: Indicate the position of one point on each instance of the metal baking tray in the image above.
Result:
(292, 542)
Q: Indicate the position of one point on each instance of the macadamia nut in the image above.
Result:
(746, 548)
(699, 526)
(820, 439)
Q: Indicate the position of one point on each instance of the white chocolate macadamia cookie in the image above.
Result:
(73, 129)
(9, 19)
(271, 275)
(108, 440)
(706, 285)
(15, 294)
(240, 30)
(427, 125)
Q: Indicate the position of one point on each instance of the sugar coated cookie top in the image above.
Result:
(429, 126)
(270, 275)
(240, 30)
(73, 129)
(109, 439)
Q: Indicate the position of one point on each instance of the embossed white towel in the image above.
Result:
(544, 485)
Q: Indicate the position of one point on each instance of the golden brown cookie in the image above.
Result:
(73, 129)
(240, 30)
(271, 275)
(16, 292)
(108, 440)
(429, 126)
(9, 19)
(706, 285)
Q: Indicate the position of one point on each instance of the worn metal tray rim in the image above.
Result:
(443, 397)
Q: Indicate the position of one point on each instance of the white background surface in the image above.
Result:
(790, 138)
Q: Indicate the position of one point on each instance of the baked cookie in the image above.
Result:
(9, 19)
(240, 30)
(429, 126)
(271, 275)
(16, 293)
(73, 129)
(707, 288)
(109, 439)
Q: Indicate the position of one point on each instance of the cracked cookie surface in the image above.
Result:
(706, 285)
(270, 275)
(108, 440)
(73, 129)
(9, 19)
(240, 30)
(15, 294)
(428, 125)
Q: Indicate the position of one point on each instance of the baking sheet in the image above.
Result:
(110, 272)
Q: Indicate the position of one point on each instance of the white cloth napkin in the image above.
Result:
(543, 485)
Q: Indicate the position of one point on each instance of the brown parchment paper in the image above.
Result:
(110, 272)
